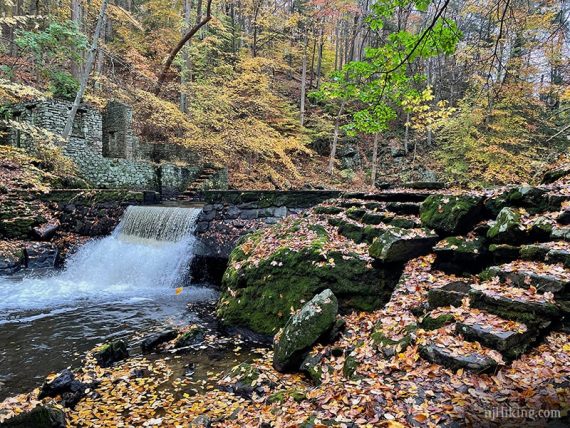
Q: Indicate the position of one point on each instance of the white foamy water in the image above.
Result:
(147, 256)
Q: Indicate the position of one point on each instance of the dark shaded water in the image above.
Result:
(34, 343)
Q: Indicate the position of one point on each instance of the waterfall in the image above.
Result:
(148, 254)
(157, 224)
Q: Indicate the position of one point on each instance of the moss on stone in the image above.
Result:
(450, 215)
(430, 323)
(508, 227)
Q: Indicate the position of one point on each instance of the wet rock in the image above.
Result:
(150, 343)
(248, 380)
(193, 336)
(450, 294)
(540, 229)
(358, 233)
(328, 210)
(38, 417)
(398, 245)
(451, 215)
(110, 353)
(355, 213)
(46, 231)
(279, 397)
(523, 278)
(303, 330)
(529, 312)
(259, 294)
(388, 346)
(431, 323)
(41, 255)
(507, 228)
(561, 233)
(474, 362)
(65, 385)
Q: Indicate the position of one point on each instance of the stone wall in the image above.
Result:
(105, 149)
(229, 215)
(38, 230)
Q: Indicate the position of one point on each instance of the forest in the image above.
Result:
(284, 213)
(475, 93)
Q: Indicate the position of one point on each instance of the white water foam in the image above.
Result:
(147, 256)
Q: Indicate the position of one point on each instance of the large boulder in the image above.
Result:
(303, 330)
(398, 245)
(65, 385)
(275, 271)
(508, 227)
(451, 215)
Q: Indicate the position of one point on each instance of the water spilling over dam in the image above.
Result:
(148, 254)
(110, 287)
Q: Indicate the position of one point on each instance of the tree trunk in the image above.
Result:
(86, 71)
(180, 45)
(335, 139)
(304, 78)
(374, 159)
(320, 59)
(186, 62)
(77, 18)
(407, 132)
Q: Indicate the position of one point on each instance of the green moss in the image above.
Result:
(429, 323)
(279, 397)
(507, 227)
(450, 214)
(328, 210)
(349, 367)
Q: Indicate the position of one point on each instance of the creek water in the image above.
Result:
(119, 286)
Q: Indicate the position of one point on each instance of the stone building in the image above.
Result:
(105, 149)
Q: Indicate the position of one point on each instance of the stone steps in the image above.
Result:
(510, 338)
(454, 353)
(451, 294)
(515, 304)
(542, 276)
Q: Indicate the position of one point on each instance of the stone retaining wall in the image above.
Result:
(229, 215)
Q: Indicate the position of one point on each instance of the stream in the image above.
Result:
(120, 286)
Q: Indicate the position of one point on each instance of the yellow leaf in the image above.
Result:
(179, 290)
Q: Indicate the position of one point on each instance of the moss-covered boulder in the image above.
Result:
(398, 245)
(110, 353)
(193, 336)
(508, 227)
(303, 330)
(451, 215)
(275, 271)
